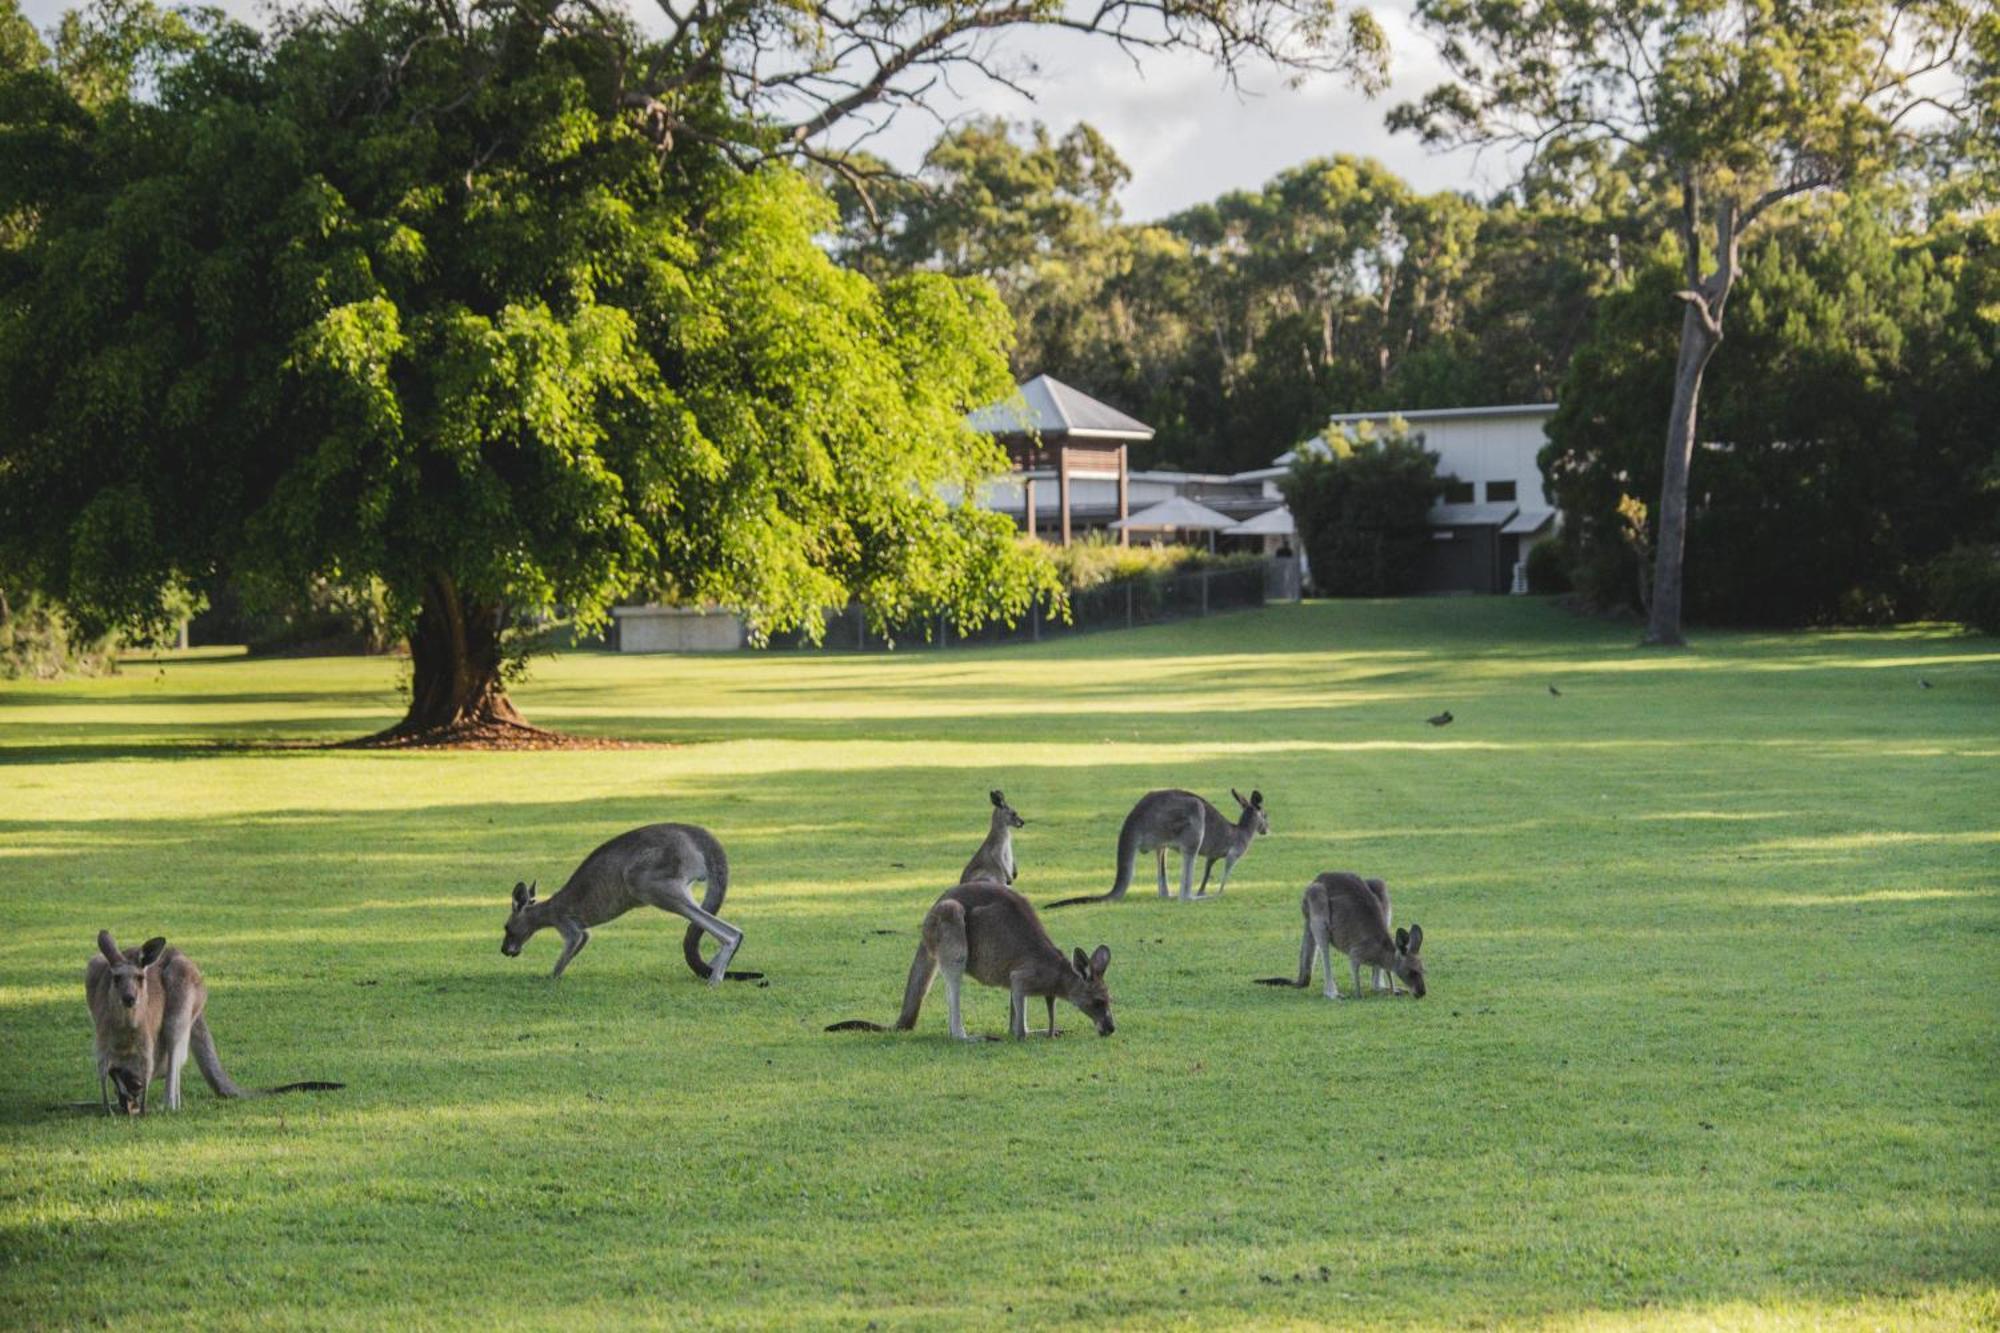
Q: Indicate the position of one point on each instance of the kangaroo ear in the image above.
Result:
(1239, 796)
(1100, 960)
(1402, 940)
(150, 952)
(1081, 960)
(521, 895)
(998, 799)
(1416, 938)
(1257, 798)
(109, 947)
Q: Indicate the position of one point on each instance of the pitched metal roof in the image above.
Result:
(1052, 409)
(1446, 413)
(1526, 522)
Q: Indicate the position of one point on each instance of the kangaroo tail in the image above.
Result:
(923, 968)
(203, 1045)
(711, 903)
(1128, 856)
(307, 1085)
(1278, 981)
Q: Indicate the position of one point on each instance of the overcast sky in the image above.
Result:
(1186, 136)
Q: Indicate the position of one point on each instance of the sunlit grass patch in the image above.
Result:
(1713, 941)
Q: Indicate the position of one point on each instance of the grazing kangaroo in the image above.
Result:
(992, 932)
(1348, 914)
(995, 858)
(150, 1008)
(1182, 820)
(648, 867)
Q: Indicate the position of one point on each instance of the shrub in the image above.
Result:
(1964, 585)
(38, 641)
(1547, 570)
(1098, 559)
(1363, 512)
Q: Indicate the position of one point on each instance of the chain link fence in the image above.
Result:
(1150, 599)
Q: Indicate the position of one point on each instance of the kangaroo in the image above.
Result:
(992, 932)
(650, 866)
(1180, 819)
(1348, 914)
(995, 858)
(150, 1008)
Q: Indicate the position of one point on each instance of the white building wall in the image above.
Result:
(1480, 449)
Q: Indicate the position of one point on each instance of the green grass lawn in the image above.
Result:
(1713, 946)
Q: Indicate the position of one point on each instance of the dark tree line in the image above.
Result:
(1234, 328)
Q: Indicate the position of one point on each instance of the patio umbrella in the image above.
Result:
(1179, 514)
(1271, 523)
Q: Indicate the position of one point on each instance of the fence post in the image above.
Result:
(1128, 603)
(1035, 622)
(1205, 576)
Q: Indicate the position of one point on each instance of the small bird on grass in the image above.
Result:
(1921, 681)
(1556, 692)
(1441, 720)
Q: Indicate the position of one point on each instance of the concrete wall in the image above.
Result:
(676, 629)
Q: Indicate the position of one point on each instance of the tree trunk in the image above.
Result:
(455, 661)
(1663, 624)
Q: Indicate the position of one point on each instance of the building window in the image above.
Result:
(1499, 490)
(1458, 493)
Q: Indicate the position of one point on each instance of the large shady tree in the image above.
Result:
(1730, 108)
(508, 306)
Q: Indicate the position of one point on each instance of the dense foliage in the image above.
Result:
(1097, 560)
(385, 302)
(1733, 108)
(1847, 437)
(1362, 508)
(1235, 327)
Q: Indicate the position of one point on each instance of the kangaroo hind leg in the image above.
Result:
(1318, 928)
(671, 895)
(177, 1058)
(944, 937)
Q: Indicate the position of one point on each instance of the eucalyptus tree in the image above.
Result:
(1735, 106)
(508, 306)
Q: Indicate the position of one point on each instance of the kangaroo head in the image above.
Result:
(1254, 809)
(1409, 965)
(1087, 990)
(128, 978)
(1004, 812)
(518, 929)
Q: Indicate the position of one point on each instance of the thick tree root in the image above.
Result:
(485, 734)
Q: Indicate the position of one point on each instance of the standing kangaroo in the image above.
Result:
(150, 1008)
(648, 867)
(1182, 820)
(992, 932)
(1347, 914)
(995, 858)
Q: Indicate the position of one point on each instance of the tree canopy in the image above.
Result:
(1362, 505)
(1847, 436)
(1735, 106)
(1236, 326)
